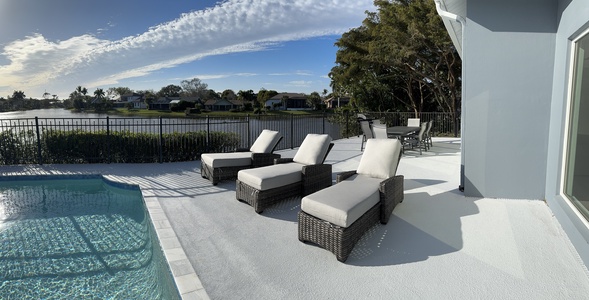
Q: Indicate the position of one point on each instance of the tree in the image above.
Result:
(99, 93)
(115, 92)
(170, 91)
(82, 90)
(400, 58)
(314, 100)
(194, 88)
(18, 95)
(46, 95)
(228, 95)
(248, 95)
(211, 94)
(148, 96)
(264, 95)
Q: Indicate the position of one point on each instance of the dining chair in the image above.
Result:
(418, 140)
(428, 137)
(413, 122)
(367, 132)
(380, 131)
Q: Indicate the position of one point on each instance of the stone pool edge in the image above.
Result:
(187, 281)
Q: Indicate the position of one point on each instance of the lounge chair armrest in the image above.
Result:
(263, 159)
(391, 194)
(316, 177)
(282, 160)
(344, 175)
(242, 149)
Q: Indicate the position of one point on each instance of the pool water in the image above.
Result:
(65, 237)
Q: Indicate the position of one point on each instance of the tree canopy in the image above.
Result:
(194, 88)
(401, 58)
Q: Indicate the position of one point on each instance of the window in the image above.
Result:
(576, 181)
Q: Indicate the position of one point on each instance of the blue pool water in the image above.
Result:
(68, 237)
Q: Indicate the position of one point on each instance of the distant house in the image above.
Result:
(334, 102)
(222, 104)
(294, 101)
(137, 99)
(162, 103)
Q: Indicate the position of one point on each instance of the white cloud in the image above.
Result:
(231, 26)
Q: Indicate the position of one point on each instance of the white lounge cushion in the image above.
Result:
(380, 158)
(313, 149)
(265, 141)
(273, 176)
(343, 203)
(234, 159)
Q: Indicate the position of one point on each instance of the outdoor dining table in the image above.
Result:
(401, 131)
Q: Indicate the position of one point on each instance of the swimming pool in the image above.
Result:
(72, 237)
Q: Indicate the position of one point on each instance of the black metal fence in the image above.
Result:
(123, 140)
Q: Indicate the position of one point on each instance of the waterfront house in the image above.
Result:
(288, 101)
(525, 109)
(137, 99)
(223, 104)
(333, 102)
(162, 103)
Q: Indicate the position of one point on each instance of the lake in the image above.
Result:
(294, 128)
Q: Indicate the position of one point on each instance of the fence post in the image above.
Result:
(291, 131)
(39, 157)
(161, 141)
(108, 154)
(208, 134)
(248, 131)
(347, 123)
(323, 124)
(455, 124)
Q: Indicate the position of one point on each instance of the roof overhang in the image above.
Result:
(453, 13)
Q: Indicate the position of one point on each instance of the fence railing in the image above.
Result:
(123, 140)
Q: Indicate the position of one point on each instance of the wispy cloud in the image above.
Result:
(231, 26)
(298, 73)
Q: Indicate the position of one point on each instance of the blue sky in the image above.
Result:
(284, 45)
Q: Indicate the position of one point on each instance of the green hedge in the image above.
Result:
(78, 146)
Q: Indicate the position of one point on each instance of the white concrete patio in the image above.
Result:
(437, 245)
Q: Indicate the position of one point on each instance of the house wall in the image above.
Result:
(508, 67)
(573, 20)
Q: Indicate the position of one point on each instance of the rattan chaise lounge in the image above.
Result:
(301, 175)
(221, 166)
(335, 218)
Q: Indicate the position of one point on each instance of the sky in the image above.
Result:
(53, 46)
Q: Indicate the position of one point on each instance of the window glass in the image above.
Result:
(577, 163)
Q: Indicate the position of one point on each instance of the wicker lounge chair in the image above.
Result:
(221, 166)
(335, 218)
(301, 175)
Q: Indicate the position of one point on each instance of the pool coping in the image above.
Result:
(187, 282)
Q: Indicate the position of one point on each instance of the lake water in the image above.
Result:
(294, 129)
(49, 113)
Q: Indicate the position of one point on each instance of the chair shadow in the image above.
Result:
(421, 226)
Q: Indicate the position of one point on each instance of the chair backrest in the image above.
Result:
(380, 158)
(422, 129)
(266, 141)
(366, 129)
(380, 131)
(429, 127)
(313, 149)
(413, 122)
